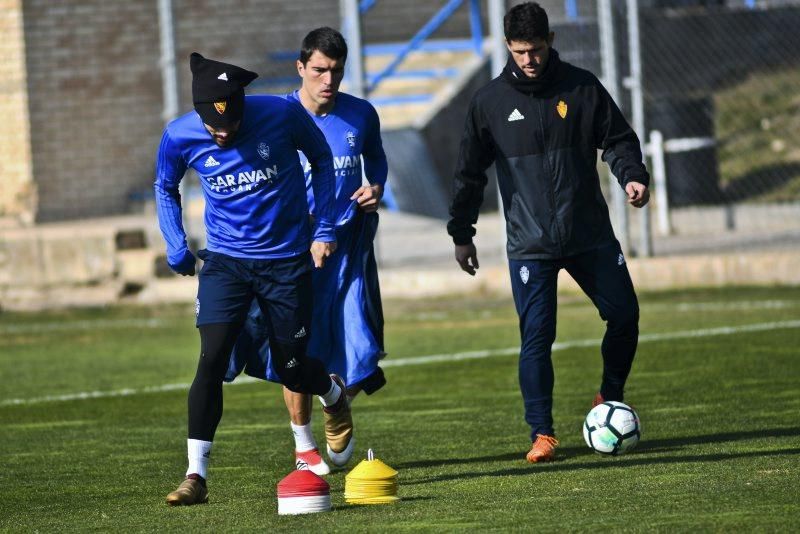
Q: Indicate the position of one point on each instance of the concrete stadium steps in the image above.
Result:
(408, 95)
(401, 115)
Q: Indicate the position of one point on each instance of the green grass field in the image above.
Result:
(719, 400)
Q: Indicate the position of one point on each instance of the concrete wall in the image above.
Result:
(18, 195)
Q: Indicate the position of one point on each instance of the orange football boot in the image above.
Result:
(543, 449)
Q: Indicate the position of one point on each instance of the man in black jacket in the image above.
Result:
(541, 122)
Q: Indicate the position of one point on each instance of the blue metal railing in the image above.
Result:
(571, 9)
(431, 26)
(402, 50)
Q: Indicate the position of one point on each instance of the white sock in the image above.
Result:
(332, 395)
(303, 438)
(199, 451)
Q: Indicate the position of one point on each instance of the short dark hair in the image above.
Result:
(526, 22)
(326, 40)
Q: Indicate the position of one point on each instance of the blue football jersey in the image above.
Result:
(255, 189)
(352, 130)
(347, 321)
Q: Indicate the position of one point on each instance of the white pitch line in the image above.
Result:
(434, 358)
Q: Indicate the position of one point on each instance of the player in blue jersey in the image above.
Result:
(347, 324)
(244, 150)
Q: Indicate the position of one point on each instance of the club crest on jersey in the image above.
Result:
(351, 139)
(263, 150)
(524, 274)
(562, 109)
(220, 106)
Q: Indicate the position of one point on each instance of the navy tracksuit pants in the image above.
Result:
(603, 275)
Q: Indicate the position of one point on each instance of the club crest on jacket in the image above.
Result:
(562, 109)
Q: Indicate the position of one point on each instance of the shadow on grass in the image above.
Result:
(642, 455)
(619, 462)
(785, 432)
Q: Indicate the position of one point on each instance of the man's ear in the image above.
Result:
(300, 68)
(551, 38)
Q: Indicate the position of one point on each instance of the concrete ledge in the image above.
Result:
(676, 272)
(50, 298)
(49, 260)
(715, 270)
(179, 289)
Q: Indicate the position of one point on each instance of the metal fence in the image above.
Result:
(713, 88)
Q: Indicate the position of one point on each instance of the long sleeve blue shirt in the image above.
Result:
(352, 130)
(254, 189)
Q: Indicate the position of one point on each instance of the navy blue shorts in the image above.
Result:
(282, 287)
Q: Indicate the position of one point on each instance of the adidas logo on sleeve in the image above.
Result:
(515, 116)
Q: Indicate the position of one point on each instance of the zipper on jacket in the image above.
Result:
(551, 188)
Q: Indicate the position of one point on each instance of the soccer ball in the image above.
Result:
(612, 428)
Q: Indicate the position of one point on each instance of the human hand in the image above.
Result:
(368, 197)
(185, 265)
(638, 194)
(320, 251)
(467, 258)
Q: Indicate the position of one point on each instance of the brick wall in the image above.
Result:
(95, 88)
(95, 99)
(17, 194)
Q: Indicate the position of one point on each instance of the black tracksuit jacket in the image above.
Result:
(543, 135)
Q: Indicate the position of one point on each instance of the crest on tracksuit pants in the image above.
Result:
(524, 274)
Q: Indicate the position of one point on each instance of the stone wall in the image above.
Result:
(18, 195)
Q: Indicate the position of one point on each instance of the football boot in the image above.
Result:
(312, 461)
(191, 491)
(543, 449)
(339, 427)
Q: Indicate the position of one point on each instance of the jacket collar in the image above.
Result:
(553, 72)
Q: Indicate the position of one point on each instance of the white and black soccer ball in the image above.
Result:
(612, 428)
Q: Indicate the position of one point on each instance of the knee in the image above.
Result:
(212, 367)
(538, 336)
(625, 317)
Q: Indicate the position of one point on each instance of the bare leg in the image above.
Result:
(305, 447)
(299, 406)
